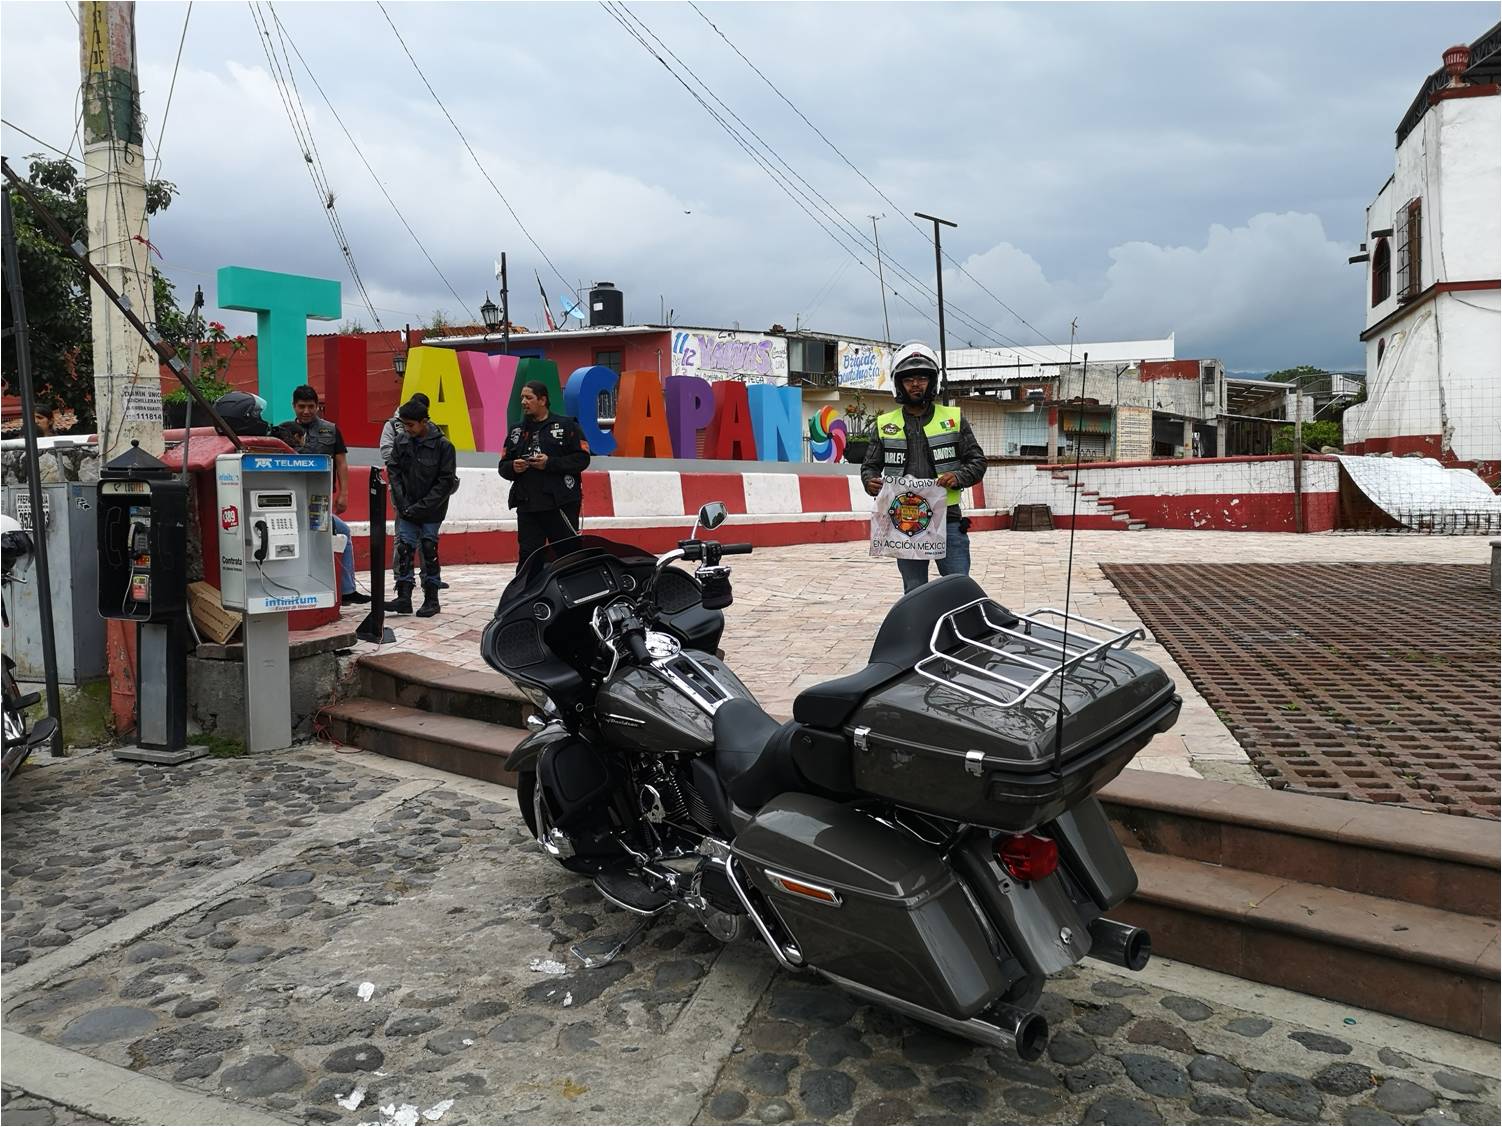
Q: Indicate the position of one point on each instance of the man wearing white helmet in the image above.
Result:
(924, 439)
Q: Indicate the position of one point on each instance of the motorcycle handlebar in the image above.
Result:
(637, 647)
(735, 549)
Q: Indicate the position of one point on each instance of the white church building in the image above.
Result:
(1434, 374)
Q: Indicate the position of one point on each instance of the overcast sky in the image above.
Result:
(1197, 169)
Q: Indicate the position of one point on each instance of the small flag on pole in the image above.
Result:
(547, 311)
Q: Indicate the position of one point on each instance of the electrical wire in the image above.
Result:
(171, 88)
(887, 199)
(32, 136)
(470, 149)
(302, 132)
(761, 162)
(353, 144)
(823, 204)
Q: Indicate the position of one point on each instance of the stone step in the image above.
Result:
(449, 743)
(1439, 861)
(1423, 964)
(429, 685)
(1137, 526)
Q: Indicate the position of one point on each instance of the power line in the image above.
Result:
(756, 157)
(952, 260)
(171, 88)
(303, 134)
(350, 137)
(44, 144)
(494, 187)
(824, 205)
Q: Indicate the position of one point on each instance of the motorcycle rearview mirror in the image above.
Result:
(711, 516)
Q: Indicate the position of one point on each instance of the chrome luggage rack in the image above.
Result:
(1072, 649)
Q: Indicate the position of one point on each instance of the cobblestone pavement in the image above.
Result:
(808, 613)
(1392, 697)
(89, 840)
(407, 959)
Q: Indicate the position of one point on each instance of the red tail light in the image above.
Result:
(1027, 857)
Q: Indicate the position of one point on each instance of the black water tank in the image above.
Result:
(606, 305)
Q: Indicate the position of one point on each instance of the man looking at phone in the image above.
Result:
(545, 459)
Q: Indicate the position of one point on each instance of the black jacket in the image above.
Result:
(561, 482)
(423, 474)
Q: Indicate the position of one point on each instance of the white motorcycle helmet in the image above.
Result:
(16, 548)
(915, 356)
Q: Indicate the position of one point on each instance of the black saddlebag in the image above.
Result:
(870, 903)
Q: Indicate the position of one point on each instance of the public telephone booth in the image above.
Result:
(143, 578)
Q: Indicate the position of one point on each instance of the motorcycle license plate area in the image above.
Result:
(900, 920)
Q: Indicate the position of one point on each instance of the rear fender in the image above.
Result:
(526, 754)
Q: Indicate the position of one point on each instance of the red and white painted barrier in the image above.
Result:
(655, 508)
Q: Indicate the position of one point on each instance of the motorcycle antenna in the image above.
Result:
(1074, 504)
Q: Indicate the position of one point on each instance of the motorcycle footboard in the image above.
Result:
(867, 903)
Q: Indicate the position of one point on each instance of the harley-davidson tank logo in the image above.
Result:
(911, 514)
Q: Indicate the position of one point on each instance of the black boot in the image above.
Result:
(402, 604)
(430, 605)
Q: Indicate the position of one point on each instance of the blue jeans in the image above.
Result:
(346, 565)
(422, 539)
(956, 559)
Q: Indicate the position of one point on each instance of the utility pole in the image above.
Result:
(127, 385)
(1298, 461)
(881, 278)
(939, 283)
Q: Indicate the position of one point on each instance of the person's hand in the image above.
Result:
(948, 481)
(520, 465)
(873, 486)
(539, 461)
(340, 504)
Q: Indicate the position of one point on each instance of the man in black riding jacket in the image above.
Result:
(423, 475)
(545, 459)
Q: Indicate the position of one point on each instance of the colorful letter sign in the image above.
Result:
(282, 304)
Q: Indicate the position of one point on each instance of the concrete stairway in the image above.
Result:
(1096, 505)
(425, 711)
(1390, 909)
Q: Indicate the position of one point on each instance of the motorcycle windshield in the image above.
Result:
(534, 571)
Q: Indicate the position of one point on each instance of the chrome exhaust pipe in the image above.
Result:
(1003, 1027)
(1120, 944)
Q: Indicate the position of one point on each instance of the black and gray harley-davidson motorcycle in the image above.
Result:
(923, 833)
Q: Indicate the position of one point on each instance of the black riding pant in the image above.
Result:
(549, 526)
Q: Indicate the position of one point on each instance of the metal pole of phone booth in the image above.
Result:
(268, 675)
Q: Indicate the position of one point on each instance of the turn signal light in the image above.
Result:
(1027, 857)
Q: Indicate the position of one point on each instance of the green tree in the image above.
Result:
(438, 324)
(1320, 433)
(1305, 376)
(57, 293)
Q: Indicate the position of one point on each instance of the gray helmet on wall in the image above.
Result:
(915, 358)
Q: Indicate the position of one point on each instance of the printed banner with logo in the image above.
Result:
(908, 522)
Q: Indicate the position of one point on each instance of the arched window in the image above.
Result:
(1381, 272)
(1381, 348)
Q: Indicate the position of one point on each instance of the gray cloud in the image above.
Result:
(1194, 168)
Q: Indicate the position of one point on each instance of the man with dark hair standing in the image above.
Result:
(322, 437)
(392, 432)
(545, 459)
(423, 475)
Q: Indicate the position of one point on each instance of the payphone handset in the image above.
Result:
(138, 553)
(274, 525)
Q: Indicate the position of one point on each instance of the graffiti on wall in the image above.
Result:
(747, 357)
(867, 366)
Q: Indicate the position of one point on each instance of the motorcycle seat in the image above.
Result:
(900, 644)
(754, 754)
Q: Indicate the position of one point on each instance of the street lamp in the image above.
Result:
(399, 364)
(490, 313)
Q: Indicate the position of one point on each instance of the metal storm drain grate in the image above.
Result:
(1369, 681)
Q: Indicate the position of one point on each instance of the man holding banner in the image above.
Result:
(923, 456)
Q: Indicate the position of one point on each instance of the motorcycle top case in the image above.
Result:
(900, 921)
(931, 747)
